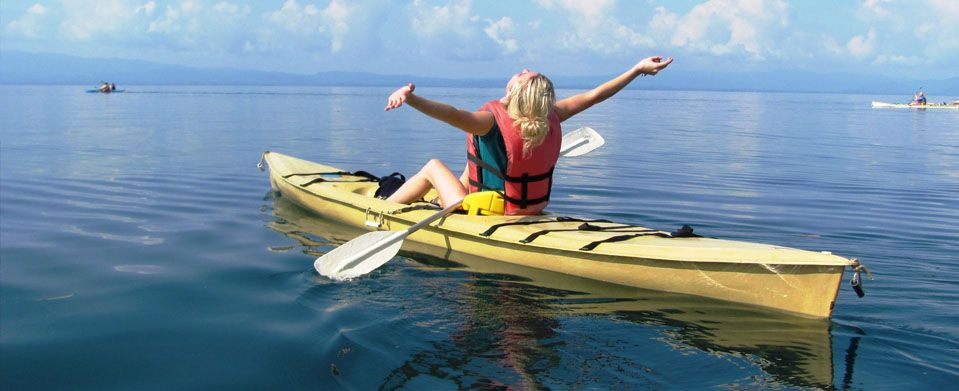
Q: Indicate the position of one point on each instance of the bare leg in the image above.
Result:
(436, 175)
(465, 178)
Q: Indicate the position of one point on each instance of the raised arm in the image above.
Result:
(473, 122)
(571, 106)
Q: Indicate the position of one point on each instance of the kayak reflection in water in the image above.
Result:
(516, 135)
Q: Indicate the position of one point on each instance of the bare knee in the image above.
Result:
(435, 163)
(432, 166)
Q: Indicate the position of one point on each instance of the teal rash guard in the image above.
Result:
(492, 149)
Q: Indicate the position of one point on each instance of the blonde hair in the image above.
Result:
(529, 105)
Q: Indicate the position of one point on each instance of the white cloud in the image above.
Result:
(897, 60)
(723, 27)
(293, 17)
(592, 11)
(309, 22)
(875, 8)
(228, 8)
(431, 21)
(147, 8)
(337, 15)
(591, 27)
(544, 3)
(499, 30)
(911, 33)
(170, 22)
(454, 31)
(889, 35)
(191, 27)
(948, 9)
(31, 24)
(86, 20)
(862, 46)
(830, 45)
(37, 9)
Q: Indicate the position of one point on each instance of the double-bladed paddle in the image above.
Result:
(371, 250)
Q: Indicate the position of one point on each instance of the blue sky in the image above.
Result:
(462, 38)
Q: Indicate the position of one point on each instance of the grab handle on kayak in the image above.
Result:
(856, 280)
(262, 160)
(376, 222)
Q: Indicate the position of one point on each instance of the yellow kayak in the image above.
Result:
(782, 278)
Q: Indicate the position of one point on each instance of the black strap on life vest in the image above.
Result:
(524, 180)
(482, 165)
(489, 231)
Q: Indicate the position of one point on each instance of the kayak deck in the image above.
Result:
(778, 277)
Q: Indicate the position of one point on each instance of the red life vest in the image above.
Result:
(527, 180)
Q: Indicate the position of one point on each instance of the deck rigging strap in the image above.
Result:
(419, 206)
(625, 228)
(360, 173)
(683, 232)
(560, 219)
(367, 177)
(621, 238)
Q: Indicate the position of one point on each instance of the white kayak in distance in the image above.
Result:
(885, 105)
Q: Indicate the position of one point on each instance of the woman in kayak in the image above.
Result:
(522, 129)
(919, 98)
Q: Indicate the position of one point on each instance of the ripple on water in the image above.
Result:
(139, 269)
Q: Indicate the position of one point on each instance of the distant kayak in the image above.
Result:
(884, 105)
(104, 92)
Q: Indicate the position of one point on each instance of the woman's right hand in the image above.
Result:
(398, 97)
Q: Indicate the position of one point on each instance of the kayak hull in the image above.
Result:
(791, 280)
(885, 105)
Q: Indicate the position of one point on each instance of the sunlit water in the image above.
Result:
(142, 249)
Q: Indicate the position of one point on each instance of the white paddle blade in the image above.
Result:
(580, 142)
(360, 256)
(371, 250)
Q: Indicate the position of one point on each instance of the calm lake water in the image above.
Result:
(142, 249)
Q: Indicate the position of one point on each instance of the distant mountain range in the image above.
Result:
(58, 69)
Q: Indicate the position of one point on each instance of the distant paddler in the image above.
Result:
(107, 88)
(919, 99)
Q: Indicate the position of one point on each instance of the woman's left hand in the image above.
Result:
(652, 65)
(398, 97)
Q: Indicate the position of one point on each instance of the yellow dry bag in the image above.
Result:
(486, 203)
